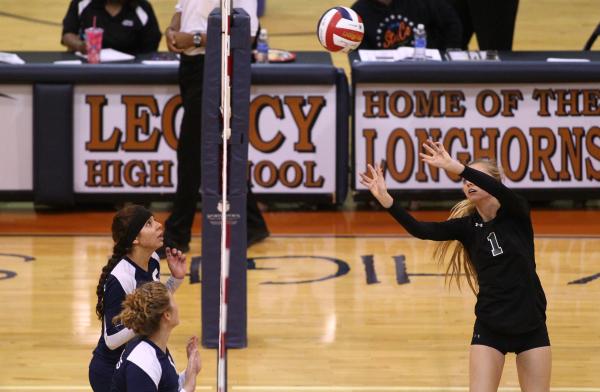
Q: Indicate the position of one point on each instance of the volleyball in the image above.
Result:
(340, 29)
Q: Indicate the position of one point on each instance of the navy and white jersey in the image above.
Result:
(144, 367)
(123, 280)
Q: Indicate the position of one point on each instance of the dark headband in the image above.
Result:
(138, 221)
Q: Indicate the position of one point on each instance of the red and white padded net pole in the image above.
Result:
(226, 62)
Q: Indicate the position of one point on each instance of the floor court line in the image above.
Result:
(64, 388)
(282, 388)
(391, 389)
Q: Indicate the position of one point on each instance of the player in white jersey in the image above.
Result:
(134, 261)
(146, 364)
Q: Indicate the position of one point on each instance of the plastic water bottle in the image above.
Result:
(420, 42)
(262, 47)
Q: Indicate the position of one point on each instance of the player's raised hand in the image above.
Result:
(375, 181)
(191, 371)
(176, 262)
(437, 156)
(192, 345)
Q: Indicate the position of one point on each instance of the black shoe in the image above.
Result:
(256, 237)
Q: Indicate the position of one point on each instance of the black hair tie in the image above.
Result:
(138, 221)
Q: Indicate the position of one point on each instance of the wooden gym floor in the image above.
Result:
(318, 318)
(359, 331)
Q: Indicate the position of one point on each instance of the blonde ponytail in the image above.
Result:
(459, 259)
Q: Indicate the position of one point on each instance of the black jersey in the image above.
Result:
(123, 280)
(144, 367)
(391, 26)
(510, 299)
(134, 30)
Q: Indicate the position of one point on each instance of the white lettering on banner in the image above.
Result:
(544, 136)
(127, 142)
(16, 149)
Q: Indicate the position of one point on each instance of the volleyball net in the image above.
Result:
(225, 119)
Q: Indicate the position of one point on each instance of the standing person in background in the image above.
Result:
(492, 21)
(136, 235)
(492, 238)
(391, 23)
(130, 26)
(146, 363)
(186, 35)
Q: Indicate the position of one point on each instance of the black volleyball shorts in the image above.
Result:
(510, 343)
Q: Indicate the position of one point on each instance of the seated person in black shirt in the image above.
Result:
(390, 23)
(130, 26)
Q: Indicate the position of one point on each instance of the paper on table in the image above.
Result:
(67, 62)
(557, 60)
(160, 62)
(472, 55)
(108, 55)
(378, 55)
(401, 53)
(10, 58)
(431, 54)
(458, 55)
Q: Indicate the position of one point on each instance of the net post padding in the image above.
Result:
(211, 181)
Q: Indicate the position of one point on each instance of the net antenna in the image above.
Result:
(226, 9)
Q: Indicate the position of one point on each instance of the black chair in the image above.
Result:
(592, 39)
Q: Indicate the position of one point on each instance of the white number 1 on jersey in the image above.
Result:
(496, 249)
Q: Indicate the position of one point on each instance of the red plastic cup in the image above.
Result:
(93, 44)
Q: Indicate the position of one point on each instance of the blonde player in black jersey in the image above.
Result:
(490, 238)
